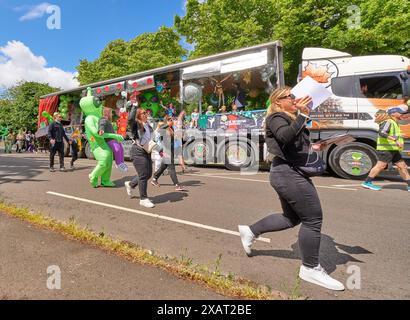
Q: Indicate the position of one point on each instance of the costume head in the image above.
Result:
(91, 105)
(150, 101)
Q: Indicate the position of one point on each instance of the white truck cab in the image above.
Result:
(363, 89)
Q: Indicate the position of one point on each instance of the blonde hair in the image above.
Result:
(274, 102)
(160, 124)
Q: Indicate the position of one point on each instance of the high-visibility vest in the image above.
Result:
(384, 144)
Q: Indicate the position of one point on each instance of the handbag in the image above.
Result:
(150, 146)
(315, 166)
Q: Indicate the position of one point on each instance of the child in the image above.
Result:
(222, 109)
(74, 147)
(210, 111)
(156, 154)
(194, 118)
(8, 141)
(105, 126)
(170, 111)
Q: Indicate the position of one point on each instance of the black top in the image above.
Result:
(56, 132)
(106, 126)
(137, 130)
(288, 139)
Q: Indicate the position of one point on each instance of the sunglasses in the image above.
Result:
(288, 96)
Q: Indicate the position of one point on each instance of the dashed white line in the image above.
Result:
(153, 215)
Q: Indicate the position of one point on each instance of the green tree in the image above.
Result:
(19, 105)
(215, 26)
(119, 57)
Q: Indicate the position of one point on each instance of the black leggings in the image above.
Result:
(172, 172)
(143, 164)
(58, 147)
(74, 152)
(300, 204)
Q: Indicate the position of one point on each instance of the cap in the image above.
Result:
(399, 109)
(56, 114)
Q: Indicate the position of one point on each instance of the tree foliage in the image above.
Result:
(19, 105)
(215, 26)
(119, 57)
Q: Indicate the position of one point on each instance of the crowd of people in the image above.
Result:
(22, 141)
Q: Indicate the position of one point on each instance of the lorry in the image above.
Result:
(362, 89)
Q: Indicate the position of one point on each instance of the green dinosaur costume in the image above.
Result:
(92, 108)
(150, 101)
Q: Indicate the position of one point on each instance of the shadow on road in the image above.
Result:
(330, 254)
(169, 197)
(16, 170)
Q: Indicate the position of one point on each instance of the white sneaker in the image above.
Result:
(147, 203)
(128, 188)
(247, 238)
(319, 276)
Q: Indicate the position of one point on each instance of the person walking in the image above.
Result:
(168, 143)
(8, 141)
(74, 147)
(56, 134)
(142, 134)
(288, 140)
(389, 144)
(20, 141)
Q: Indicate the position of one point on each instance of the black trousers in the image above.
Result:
(300, 204)
(74, 152)
(58, 147)
(171, 169)
(143, 164)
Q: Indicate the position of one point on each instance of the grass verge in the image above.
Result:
(227, 285)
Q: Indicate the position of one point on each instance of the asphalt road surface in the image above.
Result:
(40, 264)
(365, 234)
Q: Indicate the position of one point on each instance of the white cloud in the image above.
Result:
(33, 12)
(18, 63)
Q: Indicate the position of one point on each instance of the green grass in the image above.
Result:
(228, 285)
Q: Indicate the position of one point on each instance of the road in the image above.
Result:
(364, 232)
(30, 258)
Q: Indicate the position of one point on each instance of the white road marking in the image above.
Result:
(153, 215)
(264, 181)
(359, 185)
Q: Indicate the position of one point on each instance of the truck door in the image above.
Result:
(375, 94)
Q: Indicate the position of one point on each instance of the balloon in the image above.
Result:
(46, 115)
(213, 100)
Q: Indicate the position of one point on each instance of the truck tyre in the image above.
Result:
(88, 152)
(199, 152)
(353, 160)
(239, 155)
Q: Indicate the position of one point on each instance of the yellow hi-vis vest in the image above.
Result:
(384, 144)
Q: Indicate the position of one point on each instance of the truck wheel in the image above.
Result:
(353, 160)
(239, 155)
(88, 152)
(199, 152)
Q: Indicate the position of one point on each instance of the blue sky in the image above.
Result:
(87, 26)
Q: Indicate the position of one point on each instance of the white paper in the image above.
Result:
(313, 89)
